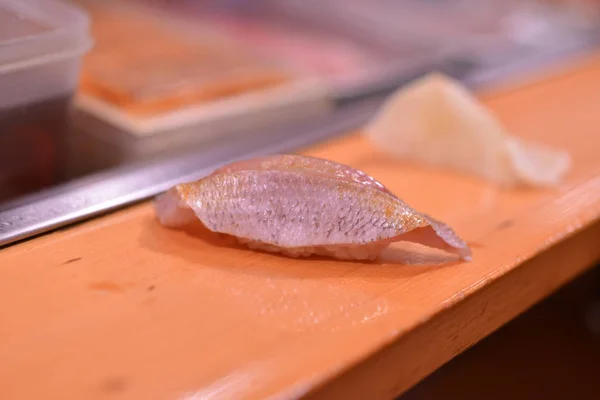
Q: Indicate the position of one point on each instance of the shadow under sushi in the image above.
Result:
(196, 244)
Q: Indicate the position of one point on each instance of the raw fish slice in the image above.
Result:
(436, 121)
(303, 205)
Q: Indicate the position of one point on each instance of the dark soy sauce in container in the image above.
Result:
(33, 146)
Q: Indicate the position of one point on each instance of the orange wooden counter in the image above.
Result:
(122, 308)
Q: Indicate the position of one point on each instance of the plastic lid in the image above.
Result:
(33, 30)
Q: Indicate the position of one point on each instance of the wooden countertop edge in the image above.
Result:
(442, 338)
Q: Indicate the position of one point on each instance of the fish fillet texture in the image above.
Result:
(438, 122)
(299, 206)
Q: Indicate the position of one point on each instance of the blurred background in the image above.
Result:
(90, 86)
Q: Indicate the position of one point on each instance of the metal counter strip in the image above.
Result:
(103, 192)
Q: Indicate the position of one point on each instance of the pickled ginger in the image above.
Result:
(438, 122)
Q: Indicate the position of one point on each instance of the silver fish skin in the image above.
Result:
(300, 205)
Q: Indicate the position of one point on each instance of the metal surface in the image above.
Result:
(100, 193)
(518, 68)
(457, 67)
(472, 73)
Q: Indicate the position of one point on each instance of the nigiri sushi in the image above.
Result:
(300, 205)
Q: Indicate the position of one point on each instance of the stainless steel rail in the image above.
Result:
(103, 192)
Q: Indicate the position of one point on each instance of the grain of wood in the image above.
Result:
(122, 306)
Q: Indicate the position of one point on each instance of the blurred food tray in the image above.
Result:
(152, 84)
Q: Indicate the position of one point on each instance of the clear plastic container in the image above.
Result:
(153, 84)
(41, 45)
